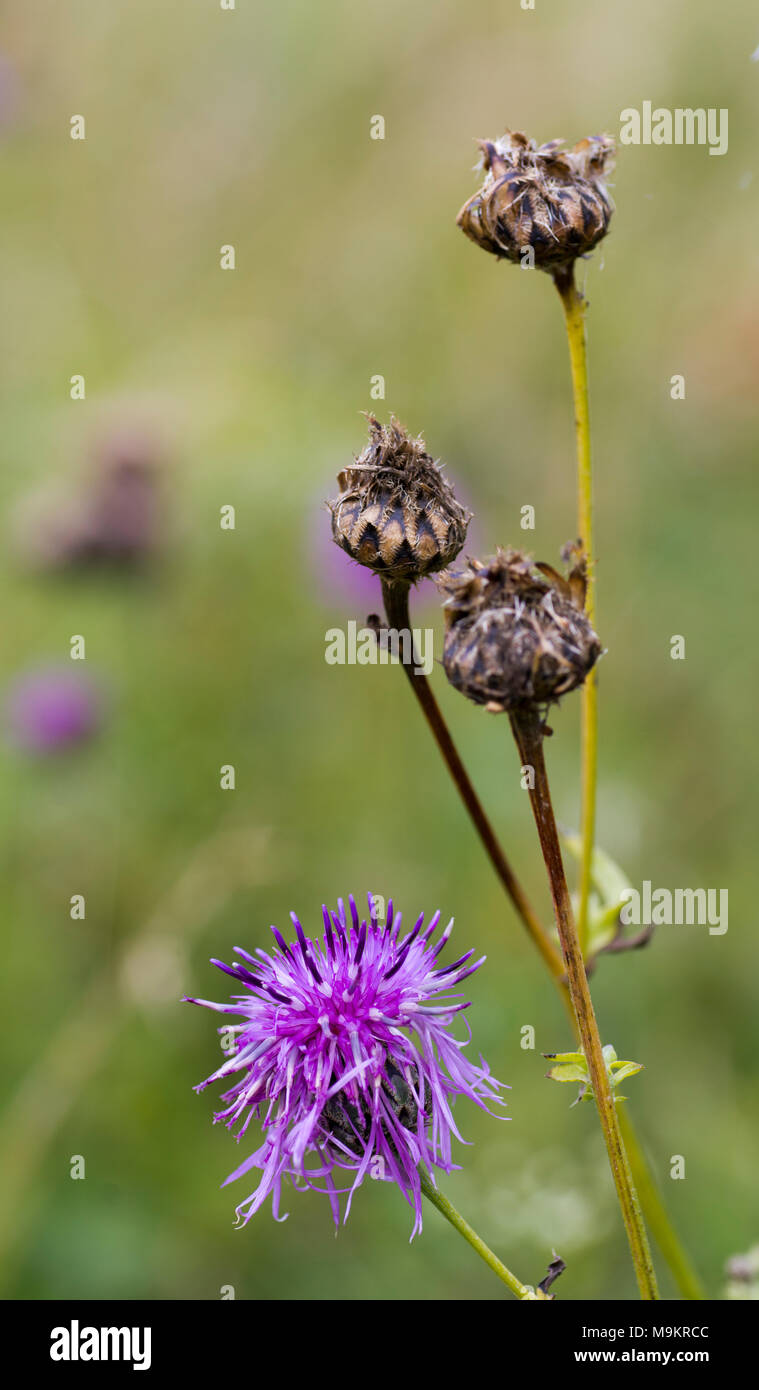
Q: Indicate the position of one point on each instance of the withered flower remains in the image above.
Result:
(517, 636)
(546, 198)
(396, 513)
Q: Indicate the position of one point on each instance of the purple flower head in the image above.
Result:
(51, 709)
(346, 1055)
(9, 90)
(114, 519)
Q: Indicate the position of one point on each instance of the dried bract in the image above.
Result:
(396, 512)
(551, 200)
(517, 636)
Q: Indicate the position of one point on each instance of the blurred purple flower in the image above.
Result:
(51, 709)
(8, 91)
(123, 514)
(340, 579)
(347, 1057)
(112, 519)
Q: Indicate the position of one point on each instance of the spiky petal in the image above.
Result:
(345, 1054)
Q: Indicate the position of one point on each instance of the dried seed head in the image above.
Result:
(396, 513)
(552, 200)
(517, 636)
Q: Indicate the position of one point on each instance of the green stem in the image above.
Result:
(574, 307)
(654, 1210)
(447, 1209)
(528, 733)
(574, 312)
(665, 1236)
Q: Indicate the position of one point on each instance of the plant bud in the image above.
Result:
(551, 200)
(517, 636)
(396, 513)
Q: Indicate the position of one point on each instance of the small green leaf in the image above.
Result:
(577, 1058)
(572, 1066)
(568, 1074)
(626, 1069)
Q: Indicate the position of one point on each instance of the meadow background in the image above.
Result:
(251, 128)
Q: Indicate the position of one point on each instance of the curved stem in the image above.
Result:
(520, 1290)
(397, 610)
(528, 733)
(574, 312)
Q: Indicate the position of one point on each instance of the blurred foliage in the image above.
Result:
(251, 127)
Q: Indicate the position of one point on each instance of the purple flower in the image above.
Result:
(8, 91)
(346, 1056)
(51, 709)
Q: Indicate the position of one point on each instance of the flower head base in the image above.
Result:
(553, 201)
(346, 1056)
(517, 636)
(396, 513)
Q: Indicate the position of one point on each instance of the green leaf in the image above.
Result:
(568, 1074)
(627, 1069)
(610, 889)
(572, 1066)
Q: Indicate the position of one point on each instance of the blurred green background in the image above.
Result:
(207, 128)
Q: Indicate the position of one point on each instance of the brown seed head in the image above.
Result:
(396, 513)
(544, 197)
(517, 636)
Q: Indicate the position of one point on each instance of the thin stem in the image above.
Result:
(397, 610)
(396, 604)
(528, 733)
(447, 1209)
(665, 1236)
(574, 307)
(574, 312)
(654, 1210)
